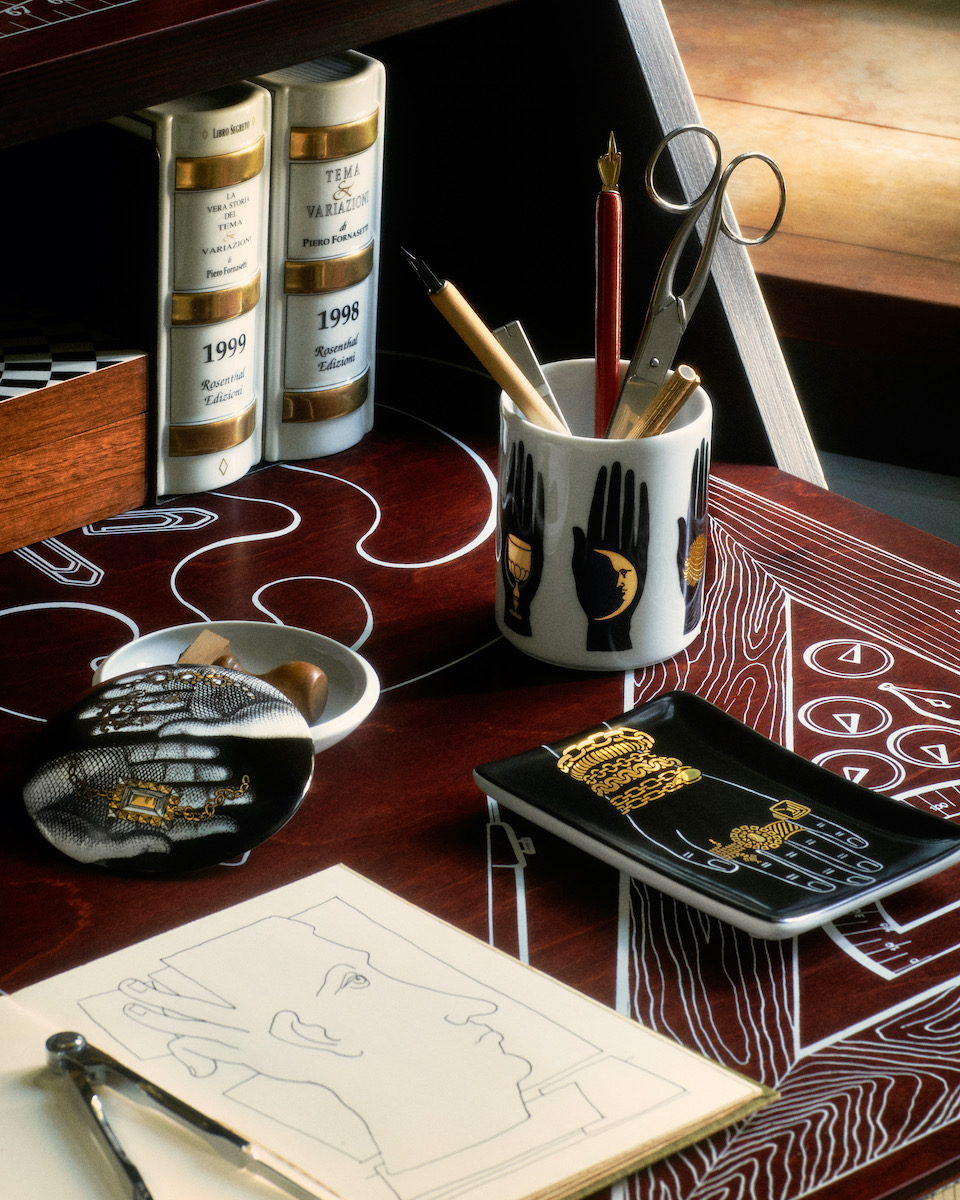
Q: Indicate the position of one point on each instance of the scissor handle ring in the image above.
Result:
(781, 208)
(717, 183)
(687, 205)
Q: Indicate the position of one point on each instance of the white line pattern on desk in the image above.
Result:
(844, 1095)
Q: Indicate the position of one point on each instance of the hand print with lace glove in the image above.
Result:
(170, 768)
(692, 541)
(521, 538)
(610, 558)
(192, 701)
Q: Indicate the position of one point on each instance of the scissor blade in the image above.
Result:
(635, 395)
(648, 368)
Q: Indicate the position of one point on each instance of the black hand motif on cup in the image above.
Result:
(521, 538)
(692, 541)
(610, 559)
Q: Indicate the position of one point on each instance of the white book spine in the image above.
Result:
(213, 152)
(324, 254)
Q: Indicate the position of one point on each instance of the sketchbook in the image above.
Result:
(383, 1052)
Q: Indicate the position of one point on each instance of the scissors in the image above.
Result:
(71, 1055)
(670, 312)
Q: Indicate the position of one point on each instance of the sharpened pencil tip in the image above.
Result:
(424, 274)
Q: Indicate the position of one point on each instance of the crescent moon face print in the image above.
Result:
(627, 581)
(610, 557)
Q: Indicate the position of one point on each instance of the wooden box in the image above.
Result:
(73, 452)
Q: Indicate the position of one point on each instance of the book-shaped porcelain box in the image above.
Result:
(688, 799)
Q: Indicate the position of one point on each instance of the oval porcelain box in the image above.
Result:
(169, 769)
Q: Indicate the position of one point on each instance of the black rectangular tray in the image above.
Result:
(690, 800)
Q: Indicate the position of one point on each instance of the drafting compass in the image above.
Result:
(87, 1068)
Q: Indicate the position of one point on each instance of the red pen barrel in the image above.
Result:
(609, 226)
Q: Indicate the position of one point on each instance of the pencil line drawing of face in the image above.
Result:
(423, 1069)
(393, 1064)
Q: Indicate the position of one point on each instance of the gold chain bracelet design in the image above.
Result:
(148, 802)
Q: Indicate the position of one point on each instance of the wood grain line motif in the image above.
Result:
(853, 1075)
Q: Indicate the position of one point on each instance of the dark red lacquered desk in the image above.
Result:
(828, 627)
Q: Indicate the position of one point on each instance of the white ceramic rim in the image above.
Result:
(325, 733)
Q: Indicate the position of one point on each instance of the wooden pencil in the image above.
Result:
(485, 346)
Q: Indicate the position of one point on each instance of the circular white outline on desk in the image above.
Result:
(810, 658)
(942, 764)
(805, 717)
(897, 768)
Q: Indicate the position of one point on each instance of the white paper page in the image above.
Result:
(51, 1150)
(384, 1052)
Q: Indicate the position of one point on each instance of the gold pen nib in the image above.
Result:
(609, 166)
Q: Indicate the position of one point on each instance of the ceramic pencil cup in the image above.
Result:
(601, 543)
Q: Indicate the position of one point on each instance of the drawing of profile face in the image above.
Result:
(414, 1048)
(357, 1011)
(423, 1068)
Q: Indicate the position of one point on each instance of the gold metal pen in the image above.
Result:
(666, 403)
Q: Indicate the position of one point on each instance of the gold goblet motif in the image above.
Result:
(519, 558)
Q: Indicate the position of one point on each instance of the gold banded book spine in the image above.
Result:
(324, 247)
(213, 152)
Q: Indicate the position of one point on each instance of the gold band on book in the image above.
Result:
(334, 141)
(186, 441)
(203, 308)
(305, 407)
(220, 170)
(327, 274)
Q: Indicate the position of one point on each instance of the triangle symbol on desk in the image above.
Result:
(849, 721)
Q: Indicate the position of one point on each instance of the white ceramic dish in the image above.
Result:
(260, 646)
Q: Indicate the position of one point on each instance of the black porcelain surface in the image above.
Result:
(170, 769)
(687, 798)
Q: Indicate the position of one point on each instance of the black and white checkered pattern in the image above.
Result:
(38, 348)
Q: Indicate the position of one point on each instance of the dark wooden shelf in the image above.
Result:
(450, 63)
(123, 57)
